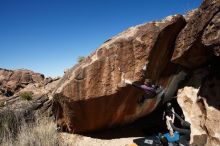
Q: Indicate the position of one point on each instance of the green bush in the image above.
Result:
(26, 96)
(80, 59)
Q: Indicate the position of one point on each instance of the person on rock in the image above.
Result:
(150, 90)
(169, 114)
(185, 130)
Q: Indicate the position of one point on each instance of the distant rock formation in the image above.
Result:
(15, 82)
(12, 81)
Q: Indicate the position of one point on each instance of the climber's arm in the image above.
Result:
(159, 89)
(135, 84)
(138, 86)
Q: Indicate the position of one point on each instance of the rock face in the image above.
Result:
(92, 94)
(198, 45)
(200, 102)
(199, 40)
(211, 37)
(13, 81)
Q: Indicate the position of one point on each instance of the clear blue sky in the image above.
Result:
(47, 36)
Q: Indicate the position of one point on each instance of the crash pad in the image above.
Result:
(174, 138)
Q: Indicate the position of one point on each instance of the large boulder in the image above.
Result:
(199, 40)
(92, 94)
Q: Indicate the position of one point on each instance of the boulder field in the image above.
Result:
(12, 81)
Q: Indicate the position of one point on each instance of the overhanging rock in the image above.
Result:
(92, 95)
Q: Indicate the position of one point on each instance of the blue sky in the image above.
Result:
(47, 36)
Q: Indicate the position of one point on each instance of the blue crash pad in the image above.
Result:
(174, 138)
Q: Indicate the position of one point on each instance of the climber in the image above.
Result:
(186, 126)
(149, 89)
(169, 115)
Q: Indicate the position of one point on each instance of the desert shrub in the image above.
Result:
(2, 104)
(80, 59)
(41, 133)
(38, 134)
(26, 96)
(15, 131)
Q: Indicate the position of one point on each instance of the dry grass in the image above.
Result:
(42, 133)
(10, 122)
(14, 131)
(2, 104)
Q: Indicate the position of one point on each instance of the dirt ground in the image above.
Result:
(79, 140)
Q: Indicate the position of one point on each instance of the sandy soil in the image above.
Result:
(79, 140)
